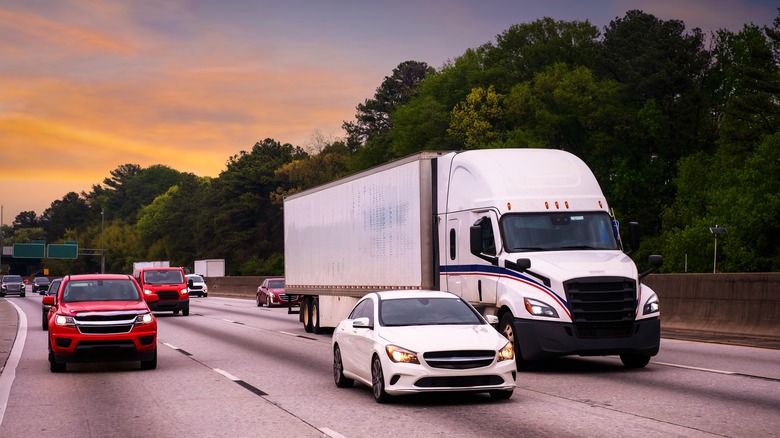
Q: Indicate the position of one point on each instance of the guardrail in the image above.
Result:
(742, 304)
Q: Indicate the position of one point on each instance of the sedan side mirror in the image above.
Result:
(362, 323)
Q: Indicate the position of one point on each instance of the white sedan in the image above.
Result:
(401, 342)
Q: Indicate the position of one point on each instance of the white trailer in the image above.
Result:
(153, 264)
(523, 234)
(210, 268)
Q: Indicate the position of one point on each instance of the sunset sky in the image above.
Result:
(89, 85)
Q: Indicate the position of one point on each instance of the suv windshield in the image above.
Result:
(100, 290)
(172, 276)
(558, 231)
(12, 279)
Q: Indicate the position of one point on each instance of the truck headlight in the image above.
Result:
(506, 353)
(402, 355)
(184, 291)
(147, 292)
(651, 305)
(146, 318)
(65, 321)
(538, 308)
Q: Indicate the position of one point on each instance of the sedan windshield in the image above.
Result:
(558, 231)
(100, 290)
(276, 284)
(426, 311)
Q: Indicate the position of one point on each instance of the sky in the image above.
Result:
(89, 85)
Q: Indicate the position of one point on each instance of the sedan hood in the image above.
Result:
(420, 338)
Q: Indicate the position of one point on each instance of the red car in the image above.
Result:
(271, 293)
(100, 318)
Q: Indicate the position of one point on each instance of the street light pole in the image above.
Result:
(102, 252)
(716, 230)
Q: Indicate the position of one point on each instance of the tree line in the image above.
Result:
(681, 128)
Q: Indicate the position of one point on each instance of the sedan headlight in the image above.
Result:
(146, 318)
(66, 321)
(538, 308)
(651, 305)
(506, 353)
(401, 355)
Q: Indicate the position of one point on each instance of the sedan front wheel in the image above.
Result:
(378, 381)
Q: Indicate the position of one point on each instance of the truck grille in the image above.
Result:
(601, 307)
(459, 360)
(168, 295)
(105, 323)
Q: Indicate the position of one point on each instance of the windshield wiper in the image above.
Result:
(529, 248)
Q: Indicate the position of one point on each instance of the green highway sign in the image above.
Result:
(29, 250)
(69, 250)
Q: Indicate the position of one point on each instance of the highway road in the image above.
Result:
(231, 369)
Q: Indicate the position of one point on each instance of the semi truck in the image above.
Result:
(523, 234)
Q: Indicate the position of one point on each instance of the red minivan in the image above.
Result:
(169, 285)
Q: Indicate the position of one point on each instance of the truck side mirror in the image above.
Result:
(655, 263)
(633, 237)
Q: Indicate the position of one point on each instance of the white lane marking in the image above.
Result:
(9, 372)
(171, 346)
(226, 374)
(287, 333)
(709, 370)
(331, 433)
(227, 320)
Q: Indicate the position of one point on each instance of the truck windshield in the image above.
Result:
(558, 231)
(163, 276)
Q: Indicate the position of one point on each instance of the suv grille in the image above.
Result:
(602, 307)
(459, 360)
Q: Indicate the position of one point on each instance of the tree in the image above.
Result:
(26, 219)
(478, 121)
(69, 213)
(373, 116)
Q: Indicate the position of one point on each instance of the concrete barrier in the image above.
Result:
(730, 304)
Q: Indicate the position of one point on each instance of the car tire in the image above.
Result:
(257, 300)
(267, 302)
(315, 317)
(378, 381)
(338, 370)
(21, 295)
(205, 295)
(186, 311)
(44, 322)
(631, 360)
(54, 366)
(176, 312)
(150, 364)
(507, 328)
(306, 315)
(500, 395)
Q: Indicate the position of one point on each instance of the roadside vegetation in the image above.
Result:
(681, 128)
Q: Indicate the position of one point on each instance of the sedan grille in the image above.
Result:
(458, 381)
(460, 360)
(602, 306)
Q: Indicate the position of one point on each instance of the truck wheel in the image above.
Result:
(176, 312)
(54, 366)
(306, 315)
(150, 364)
(186, 311)
(315, 317)
(507, 328)
(631, 360)
(44, 322)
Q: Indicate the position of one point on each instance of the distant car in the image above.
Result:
(401, 342)
(52, 290)
(271, 293)
(101, 318)
(12, 285)
(40, 285)
(197, 285)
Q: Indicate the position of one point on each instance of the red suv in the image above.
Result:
(100, 318)
(169, 285)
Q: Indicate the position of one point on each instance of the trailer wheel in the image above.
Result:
(507, 328)
(306, 314)
(315, 317)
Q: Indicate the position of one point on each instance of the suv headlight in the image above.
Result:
(538, 308)
(65, 321)
(146, 318)
(401, 355)
(651, 305)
